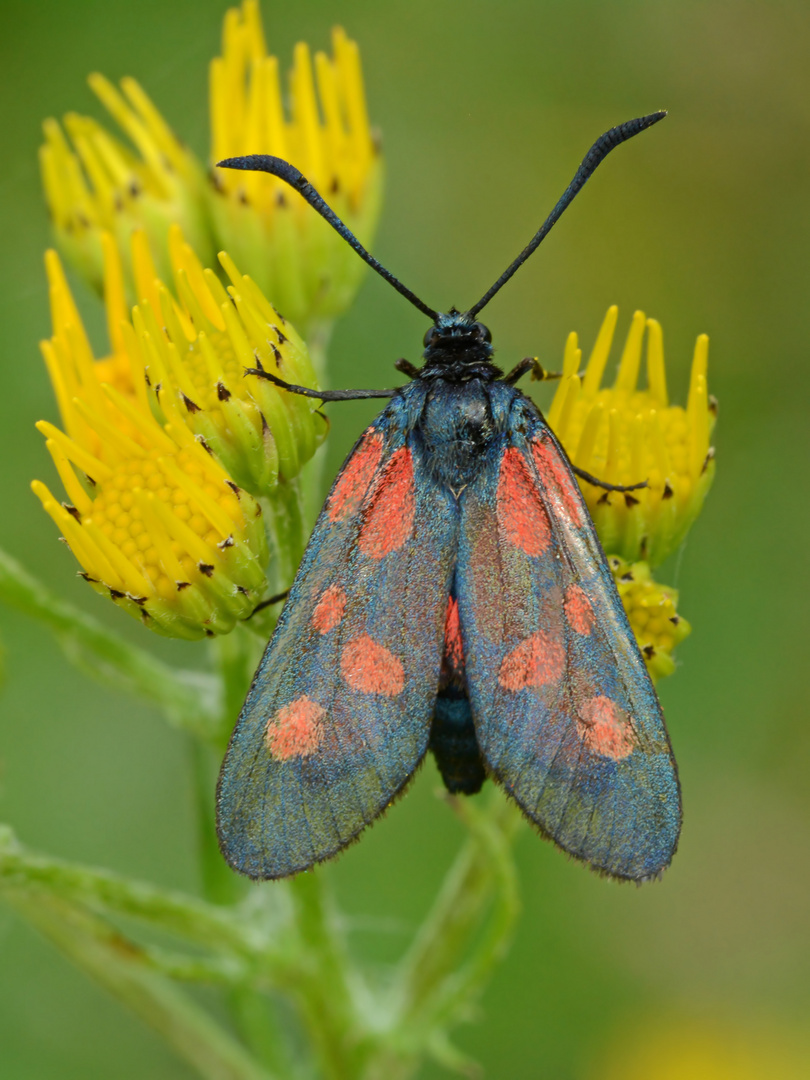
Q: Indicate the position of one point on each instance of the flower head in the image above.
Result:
(651, 611)
(95, 183)
(195, 349)
(625, 435)
(154, 520)
(296, 259)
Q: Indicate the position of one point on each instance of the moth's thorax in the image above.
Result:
(458, 348)
(456, 428)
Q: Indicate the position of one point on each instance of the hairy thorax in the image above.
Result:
(457, 428)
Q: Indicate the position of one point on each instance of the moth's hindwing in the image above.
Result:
(338, 716)
(565, 713)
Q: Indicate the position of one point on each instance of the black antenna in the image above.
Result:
(290, 175)
(597, 153)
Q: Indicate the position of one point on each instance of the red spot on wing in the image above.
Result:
(329, 610)
(522, 518)
(453, 659)
(295, 730)
(605, 728)
(578, 609)
(389, 517)
(537, 661)
(556, 478)
(352, 484)
(370, 668)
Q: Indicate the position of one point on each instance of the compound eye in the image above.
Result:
(430, 336)
(483, 333)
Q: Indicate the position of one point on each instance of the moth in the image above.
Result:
(454, 596)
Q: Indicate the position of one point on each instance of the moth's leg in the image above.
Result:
(321, 395)
(407, 368)
(533, 365)
(270, 601)
(604, 484)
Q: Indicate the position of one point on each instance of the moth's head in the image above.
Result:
(457, 337)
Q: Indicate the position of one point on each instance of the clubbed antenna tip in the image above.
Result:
(595, 156)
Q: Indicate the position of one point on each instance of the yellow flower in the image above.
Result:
(154, 520)
(194, 351)
(625, 435)
(296, 259)
(652, 611)
(94, 183)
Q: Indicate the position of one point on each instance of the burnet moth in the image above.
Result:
(453, 597)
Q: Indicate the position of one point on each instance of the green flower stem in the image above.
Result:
(188, 699)
(259, 1025)
(433, 984)
(325, 991)
(318, 335)
(236, 656)
(493, 832)
(286, 523)
(219, 883)
(312, 485)
(123, 969)
(311, 479)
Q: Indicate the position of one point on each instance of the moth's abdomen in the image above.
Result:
(452, 733)
(454, 745)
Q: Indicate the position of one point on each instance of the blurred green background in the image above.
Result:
(486, 109)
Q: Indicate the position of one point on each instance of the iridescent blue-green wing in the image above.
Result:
(338, 716)
(565, 713)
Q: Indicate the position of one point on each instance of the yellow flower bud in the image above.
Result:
(625, 435)
(94, 183)
(154, 520)
(295, 257)
(651, 611)
(195, 350)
